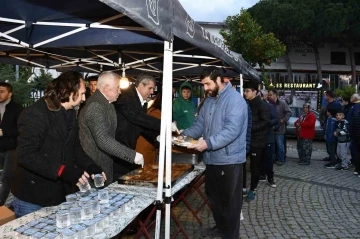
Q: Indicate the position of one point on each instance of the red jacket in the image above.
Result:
(306, 130)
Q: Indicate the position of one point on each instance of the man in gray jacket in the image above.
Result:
(284, 114)
(98, 124)
(222, 121)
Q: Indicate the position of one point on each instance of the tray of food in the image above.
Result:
(148, 176)
(183, 142)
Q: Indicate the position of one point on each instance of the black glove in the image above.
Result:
(71, 174)
(94, 169)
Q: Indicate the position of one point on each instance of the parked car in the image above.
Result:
(296, 112)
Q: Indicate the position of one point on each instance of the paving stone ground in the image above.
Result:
(308, 202)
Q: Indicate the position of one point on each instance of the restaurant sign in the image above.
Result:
(295, 85)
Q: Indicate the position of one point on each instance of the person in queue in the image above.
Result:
(50, 157)
(224, 147)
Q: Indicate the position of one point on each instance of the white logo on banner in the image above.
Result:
(218, 42)
(190, 24)
(153, 10)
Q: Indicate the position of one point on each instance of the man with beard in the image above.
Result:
(50, 157)
(222, 121)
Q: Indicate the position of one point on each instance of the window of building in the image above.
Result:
(338, 58)
(357, 58)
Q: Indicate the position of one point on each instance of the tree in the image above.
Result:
(41, 81)
(246, 36)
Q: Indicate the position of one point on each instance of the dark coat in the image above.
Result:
(133, 120)
(45, 143)
(261, 118)
(274, 124)
(355, 128)
(9, 126)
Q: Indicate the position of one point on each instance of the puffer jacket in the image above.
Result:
(329, 130)
(261, 118)
(222, 122)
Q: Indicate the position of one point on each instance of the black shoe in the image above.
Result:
(341, 168)
(326, 159)
(262, 178)
(211, 232)
(329, 165)
(272, 183)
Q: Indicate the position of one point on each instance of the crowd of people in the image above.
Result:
(75, 132)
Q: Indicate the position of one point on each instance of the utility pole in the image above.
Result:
(17, 73)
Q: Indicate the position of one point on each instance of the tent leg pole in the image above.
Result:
(168, 95)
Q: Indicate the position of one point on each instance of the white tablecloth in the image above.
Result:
(144, 197)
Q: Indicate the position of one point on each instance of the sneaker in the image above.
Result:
(250, 196)
(245, 192)
(326, 159)
(211, 232)
(329, 165)
(356, 173)
(278, 163)
(341, 168)
(262, 178)
(272, 183)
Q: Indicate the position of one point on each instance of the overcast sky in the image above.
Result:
(214, 10)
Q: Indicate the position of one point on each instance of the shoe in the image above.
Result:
(350, 164)
(251, 196)
(329, 165)
(245, 192)
(356, 173)
(211, 232)
(341, 168)
(326, 159)
(262, 178)
(278, 163)
(272, 183)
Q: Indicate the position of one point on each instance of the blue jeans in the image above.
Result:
(279, 139)
(21, 208)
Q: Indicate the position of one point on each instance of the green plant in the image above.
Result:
(346, 91)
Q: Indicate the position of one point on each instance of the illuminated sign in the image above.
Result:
(295, 85)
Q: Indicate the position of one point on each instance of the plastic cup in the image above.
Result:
(62, 219)
(99, 180)
(75, 215)
(84, 187)
(87, 211)
(103, 196)
(71, 198)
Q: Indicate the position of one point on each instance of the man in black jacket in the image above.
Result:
(50, 158)
(261, 118)
(9, 113)
(133, 121)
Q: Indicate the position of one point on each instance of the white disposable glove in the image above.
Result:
(174, 128)
(158, 138)
(139, 159)
(342, 132)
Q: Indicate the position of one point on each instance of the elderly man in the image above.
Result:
(50, 157)
(222, 122)
(9, 114)
(284, 114)
(132, 117)
(98, 126)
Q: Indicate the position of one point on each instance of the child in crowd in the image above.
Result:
(343, 140)
(331, 140)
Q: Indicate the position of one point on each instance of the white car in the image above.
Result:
(296, 112)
